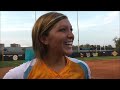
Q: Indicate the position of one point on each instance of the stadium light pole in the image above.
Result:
(35, 16)
(0, 26)
(78, 32)
(119, 27)
(2, 48)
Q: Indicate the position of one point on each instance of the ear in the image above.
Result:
(44, 40)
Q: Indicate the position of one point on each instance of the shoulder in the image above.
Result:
(18, 72)
(77, 61)
(83, 64)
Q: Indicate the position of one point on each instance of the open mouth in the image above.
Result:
(69, 43)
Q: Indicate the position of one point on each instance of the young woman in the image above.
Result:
(52, 40)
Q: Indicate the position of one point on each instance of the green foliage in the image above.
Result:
(11, 63)
(117, 44)
(101, 58)
(17, 63)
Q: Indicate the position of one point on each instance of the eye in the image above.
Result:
(62, 30)
(71, 29)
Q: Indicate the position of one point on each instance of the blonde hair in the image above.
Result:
(42, 27)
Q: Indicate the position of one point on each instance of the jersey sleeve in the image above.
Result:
(18, 72)
(84, 66)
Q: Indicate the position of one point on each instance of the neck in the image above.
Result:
(54, 59)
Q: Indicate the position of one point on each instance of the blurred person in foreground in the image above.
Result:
(52, 40)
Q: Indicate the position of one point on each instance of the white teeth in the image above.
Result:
(69, 43)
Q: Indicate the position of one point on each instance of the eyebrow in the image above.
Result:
(64, 26)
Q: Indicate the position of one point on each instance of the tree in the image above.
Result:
(117, 44)
(110, 47)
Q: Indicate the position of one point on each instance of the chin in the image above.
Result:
(68, 52)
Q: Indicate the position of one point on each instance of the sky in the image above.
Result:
(95, 27)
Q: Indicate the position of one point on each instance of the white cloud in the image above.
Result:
(15, 29)
(110, 17)
(18, 27)
(97, 21)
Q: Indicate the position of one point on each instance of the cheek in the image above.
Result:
(56, 42)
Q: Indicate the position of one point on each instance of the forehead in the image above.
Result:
(63, 22)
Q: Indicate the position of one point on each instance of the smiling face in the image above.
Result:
(60, 38)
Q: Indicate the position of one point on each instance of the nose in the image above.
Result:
(70, 35)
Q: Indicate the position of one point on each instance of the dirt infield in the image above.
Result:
(100, 69)
(3, 71)
(104, 69)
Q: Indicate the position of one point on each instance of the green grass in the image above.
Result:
(11, 63)
(17, 63)
(100, 58)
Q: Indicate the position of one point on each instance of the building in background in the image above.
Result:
(15, 45)
(2, 45)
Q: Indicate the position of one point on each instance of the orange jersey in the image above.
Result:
(72, 70)
(35, 69)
